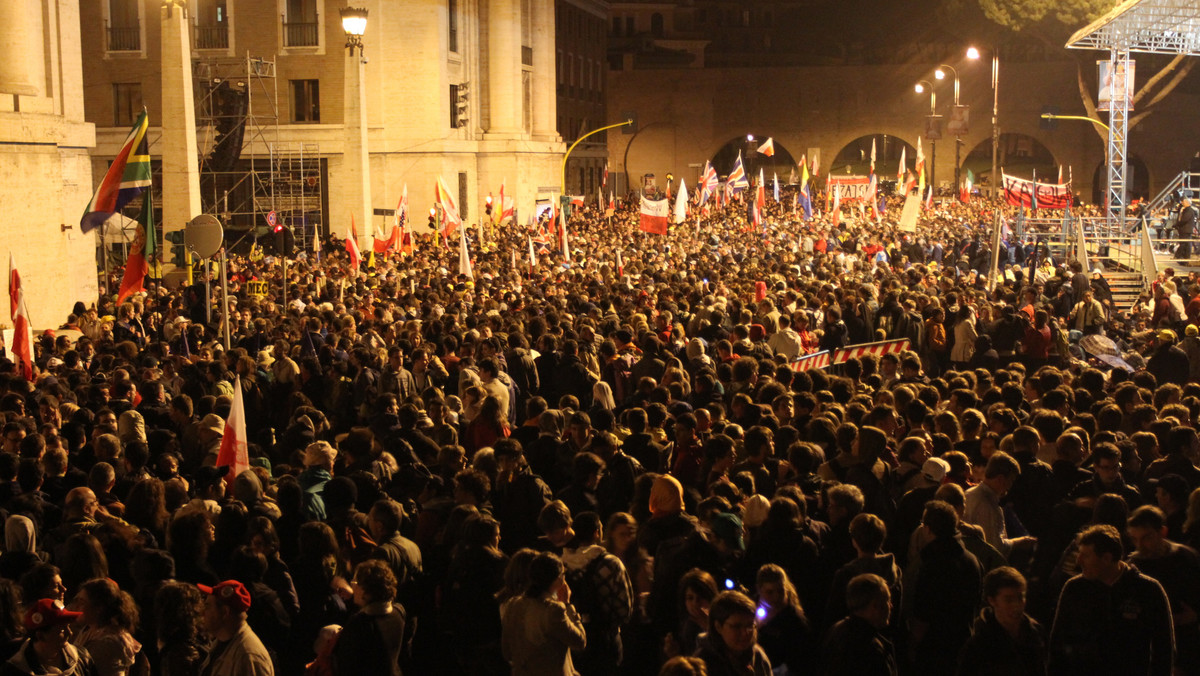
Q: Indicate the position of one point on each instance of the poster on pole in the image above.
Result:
(1116, 85)
(912, 209)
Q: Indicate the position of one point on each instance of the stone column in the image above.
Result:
(545, 108)
(22, 56)
(504, 68)
(355, 195)
(180, 168)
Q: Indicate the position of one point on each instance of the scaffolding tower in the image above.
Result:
(1145, 26)
(246, 172)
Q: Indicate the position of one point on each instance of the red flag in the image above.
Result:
(654, 216)
(21, 349)
(233, 453)
(137, 265)
(352, 245)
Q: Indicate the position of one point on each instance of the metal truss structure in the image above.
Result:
(1135, 26)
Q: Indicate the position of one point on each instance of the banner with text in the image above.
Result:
(1019, 192)
(850, 188)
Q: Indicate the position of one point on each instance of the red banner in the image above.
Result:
(1019, 192)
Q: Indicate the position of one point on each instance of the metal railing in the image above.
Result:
(124, 39)
(1186, 180)
(212, 37)
(301, 34)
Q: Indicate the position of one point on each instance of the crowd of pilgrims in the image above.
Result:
(579, 466)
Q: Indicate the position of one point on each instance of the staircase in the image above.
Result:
(1186, 181)
(1126, 287)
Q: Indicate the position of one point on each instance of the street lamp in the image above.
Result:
(354, 22)
(941, 75)
(356, 170)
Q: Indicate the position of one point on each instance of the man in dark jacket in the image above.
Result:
(945, 595)
(1005, 640)
(855, 646)
(1111, 619)
(1169, 364)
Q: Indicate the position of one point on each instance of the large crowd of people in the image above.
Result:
(612, 462)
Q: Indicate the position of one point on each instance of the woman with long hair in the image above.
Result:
(697, 589)
(146, 508)
(541, 628)
(177, 610)
(488, 427)
(109, 619)
(783, 629)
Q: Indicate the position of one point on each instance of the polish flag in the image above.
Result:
(233, 451)
(837, 205)
(654, 216)
(21, 349)
(352, 246)
(767, 148)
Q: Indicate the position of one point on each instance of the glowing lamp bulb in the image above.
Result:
(972, 53)
(761, 613)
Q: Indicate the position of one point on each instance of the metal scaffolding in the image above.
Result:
(1135, 26)
(246, 172)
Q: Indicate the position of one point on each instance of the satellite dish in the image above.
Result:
(204, 235)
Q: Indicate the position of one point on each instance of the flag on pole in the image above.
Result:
(1034, 197)
(837, 204)
(767, 148)
(708, 182)
(654, 216)
(532, 255)
(451, 219)
(604, 177)
(352, 246)
(756, 217)
(929, 197)
(760, 191)
(872, 156)
(920, 168)
(737, 178)
(21, 350)
(508, 211)
(873, 195)
(233, 452)
(126, 178)
(137, 265)
(902, 168)
(681, 203)
(464, 256)
(805, 194)
(566, 248)
(612, 205)
(1060, 174)
(968, 184)
(620, 265)
(775, 178)
(402, 208)
(816, 163)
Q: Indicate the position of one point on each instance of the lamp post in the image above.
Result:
(356, 158)
(920, 88)
(940, 74)
(973, 54)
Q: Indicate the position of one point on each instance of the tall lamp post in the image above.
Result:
(941, 75)
(973, 54)
(921, 87)
(356, 159)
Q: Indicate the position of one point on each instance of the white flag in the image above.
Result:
(681, 203)
(464, 256)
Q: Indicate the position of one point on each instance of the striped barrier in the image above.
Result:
(842, 355)
(813, 361)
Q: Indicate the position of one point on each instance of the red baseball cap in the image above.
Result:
(47, 613)
(230, 593)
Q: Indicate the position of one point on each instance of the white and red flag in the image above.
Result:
(233, 453)
(654, 216)
(21, 350)
(352, 245)
(767, 148)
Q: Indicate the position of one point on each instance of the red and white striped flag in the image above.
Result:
(21, 350)
(233, 453)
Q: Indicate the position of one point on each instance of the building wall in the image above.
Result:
(410, 69)
(45, 177)
(581, 59)
(685, 116)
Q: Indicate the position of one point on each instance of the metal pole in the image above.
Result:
(225, 298)
(995, 178)
(207, 292)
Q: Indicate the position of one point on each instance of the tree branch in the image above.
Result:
(1162, 73)
(1089, 104)
(1170, 86)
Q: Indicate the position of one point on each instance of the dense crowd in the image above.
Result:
(613, 462)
